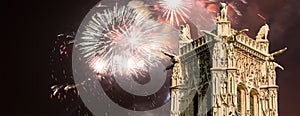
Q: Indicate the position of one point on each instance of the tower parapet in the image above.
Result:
(237, 74)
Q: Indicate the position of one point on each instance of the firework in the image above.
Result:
(60, 54)
(123, 42)
(175, 11)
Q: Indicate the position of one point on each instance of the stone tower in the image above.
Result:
(225, 73)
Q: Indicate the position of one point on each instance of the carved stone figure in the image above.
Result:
(176, 66)
(263, 32)
(185, 35)
(216, 56)
(231, 82)
(223, 11)
(271, 57)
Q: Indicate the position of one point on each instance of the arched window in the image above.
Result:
(241, 101)
(196, 104)
(253, 104)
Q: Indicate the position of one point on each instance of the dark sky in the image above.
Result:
(30, 28)
(283, 16)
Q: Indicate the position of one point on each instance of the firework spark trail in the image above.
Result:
(56, 88)
(244, 1)
(123, 42)
(235, 9)
(60, 55)
(175, 11)
(261, 16)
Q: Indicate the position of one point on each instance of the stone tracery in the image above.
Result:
(235, 71)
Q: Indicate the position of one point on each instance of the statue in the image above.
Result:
(176, 66)
(271, 65)
(185, 35)
(272, 59)
(263, 32)
(175, 60)
(223, 10)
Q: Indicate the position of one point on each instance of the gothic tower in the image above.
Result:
(225, 73)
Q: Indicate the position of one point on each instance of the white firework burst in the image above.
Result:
(176, 11)
(124, 42)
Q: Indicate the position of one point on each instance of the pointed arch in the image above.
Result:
(254, 102)
(241, 99)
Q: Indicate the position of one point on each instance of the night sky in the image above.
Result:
(30, 28)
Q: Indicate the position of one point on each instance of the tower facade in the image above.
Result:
(225, 73)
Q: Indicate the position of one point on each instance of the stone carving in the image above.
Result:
(223, 12)
(204, 65)
(176, 66)
(231, 55)
(185, 35)
(271, 65)
(257, 76)
(271, 71)
(234, 69)
(263, 32)
(249, 71)
(271, 56)
(216, 56)
(265, 102)
(235, 33)
(219, 56)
